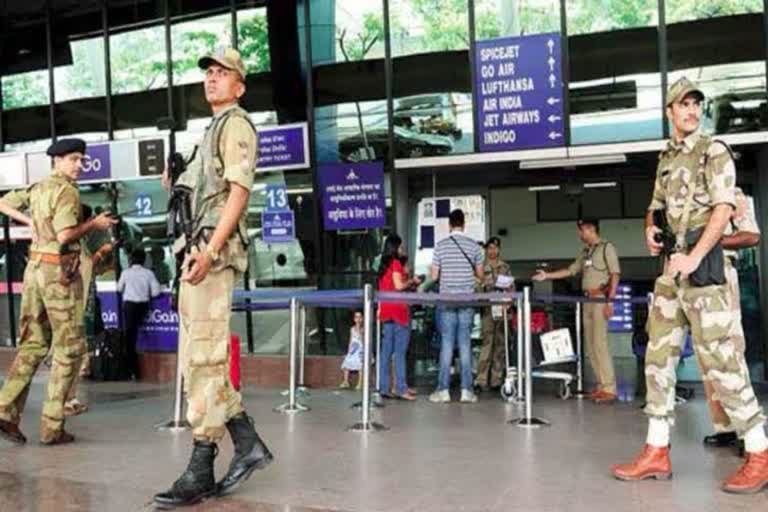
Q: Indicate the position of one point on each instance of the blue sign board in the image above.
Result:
(353, 195)
(97, 164)
(278, 227)
(277, 198)
(159, 332)
(519, 93)
(143, 205)
(621, 321)
(283, 147)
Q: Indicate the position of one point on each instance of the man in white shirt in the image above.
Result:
(138, 286)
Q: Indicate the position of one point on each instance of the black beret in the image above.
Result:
(66, 146)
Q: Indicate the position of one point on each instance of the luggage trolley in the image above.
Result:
(556, 348)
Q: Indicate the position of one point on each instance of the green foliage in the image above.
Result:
(445, 24)
(138, 63)
(357, 47)
(254, 43)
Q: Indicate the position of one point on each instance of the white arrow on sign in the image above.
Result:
(555, 135)
(551, 63)
(553, 118)
(553, 101)
(551, 45)
(552, 81)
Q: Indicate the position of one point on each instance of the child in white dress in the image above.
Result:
(353, 362)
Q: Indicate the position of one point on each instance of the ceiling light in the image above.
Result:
(602, 184)
(543, 188)
(548, 163)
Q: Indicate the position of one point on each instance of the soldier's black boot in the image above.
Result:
(197, 482)
(250, 453)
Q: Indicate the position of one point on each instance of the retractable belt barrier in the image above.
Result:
(296, 302)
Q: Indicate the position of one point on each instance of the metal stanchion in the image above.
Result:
(376, 399)
(293, 407)
(366, 425)
(528, 421)
(520, 396)
(177, 424)
(580, 393)
(302, 388)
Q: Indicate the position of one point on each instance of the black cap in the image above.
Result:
(494, 240)
(66, 146)
(590, 221)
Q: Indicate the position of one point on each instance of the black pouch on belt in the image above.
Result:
(711, 270)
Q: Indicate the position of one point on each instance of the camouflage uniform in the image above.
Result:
(746, 224)
(707, 311)
(205, 309)
(51, 306)
(596, 264)
(492, 358)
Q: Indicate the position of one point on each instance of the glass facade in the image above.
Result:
(108, 76)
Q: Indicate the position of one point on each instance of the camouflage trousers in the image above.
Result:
(51, 317)
(492, 359)
(720, 419)
(707, 311)
(204, 313)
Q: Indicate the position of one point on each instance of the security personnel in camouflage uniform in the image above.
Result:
(51, 303)
(695, 186)
(598, 264)
(742, 233)
(220, 175)
(492, 358)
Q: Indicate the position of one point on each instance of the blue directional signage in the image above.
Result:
(519, 93)
(621, 321)
(278, 227)
(277, 198)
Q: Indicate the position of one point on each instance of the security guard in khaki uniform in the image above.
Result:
(492, 358)
(742, 233)
(51, 303)
(599, 267)
(695, 187)
(220, 176)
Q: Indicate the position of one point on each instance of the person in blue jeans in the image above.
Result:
(395, 318)
(458, 265)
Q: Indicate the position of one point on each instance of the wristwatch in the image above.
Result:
(213, 253)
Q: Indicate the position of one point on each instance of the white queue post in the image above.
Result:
(365, 424)
(178, 423)
(293, 407)
(580, 393)
(302, 387)
(528, 421)
(520, 396)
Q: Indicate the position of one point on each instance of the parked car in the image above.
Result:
(408, 144)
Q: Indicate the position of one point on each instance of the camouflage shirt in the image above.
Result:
(492, 272)
(747, 223)
(210, 177)
(715, 180)
(54, 205)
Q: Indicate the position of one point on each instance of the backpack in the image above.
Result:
(110, 358)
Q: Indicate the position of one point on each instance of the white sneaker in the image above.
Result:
(440, 397)
(468, 397)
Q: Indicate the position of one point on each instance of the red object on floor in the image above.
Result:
(234, 361)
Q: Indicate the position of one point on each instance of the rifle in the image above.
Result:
(666, 237)
(179, 206)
